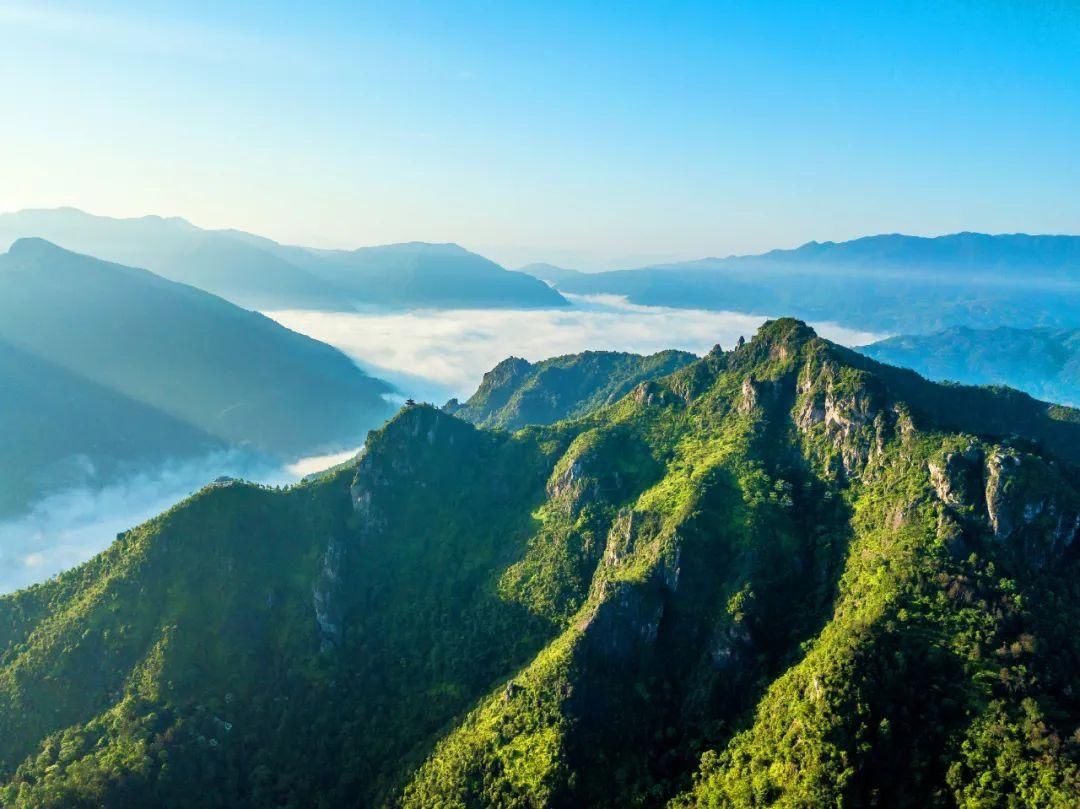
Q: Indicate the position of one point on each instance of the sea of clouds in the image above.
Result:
(427, 355)
(68, 527)
(433, 355)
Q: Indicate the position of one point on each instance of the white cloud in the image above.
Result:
(429, 355)
(69, 527)
(433, 355)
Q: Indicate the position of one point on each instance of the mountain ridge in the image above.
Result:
(883, 283)
(1044, 362)
(207, 368)
(257, 272)
(632, 607)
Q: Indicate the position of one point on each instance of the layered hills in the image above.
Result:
(256, 272)
(1042, 362)
(783, 574)
(111, 367)
(889, 282)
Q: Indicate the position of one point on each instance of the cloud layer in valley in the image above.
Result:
(67, 528)
(429, 355)
(433, 355)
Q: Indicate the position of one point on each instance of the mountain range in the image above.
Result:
(1042, 362)
(784, 574)
(516, 392)
(883, 283)
(110, 367)
(259, 273)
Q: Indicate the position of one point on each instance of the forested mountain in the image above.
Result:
(784, 574)
(1042, 362)
(259, 273)
(517, 392)
(134, 367)
(890, 283)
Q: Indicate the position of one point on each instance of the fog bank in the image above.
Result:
(433, 355)
(69, 527)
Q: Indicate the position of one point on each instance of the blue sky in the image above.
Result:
(596, 134)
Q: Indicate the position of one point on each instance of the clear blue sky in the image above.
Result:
(588, 133)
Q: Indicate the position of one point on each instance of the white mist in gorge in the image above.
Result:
(433, 355)
(68, 527)
(430, 355)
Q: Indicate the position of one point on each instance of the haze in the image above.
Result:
(533, 133)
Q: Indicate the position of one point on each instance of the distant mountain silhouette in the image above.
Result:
(966, 252)
(549, 272)
(62, 430)
(179, 370)
(883, 283)
(1042, 362)
(259, 273)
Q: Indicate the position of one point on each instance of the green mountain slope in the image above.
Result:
(516, 392)
(259, 273)
(883, 283)
(148, 365)
(1042, 362)
(785, 574)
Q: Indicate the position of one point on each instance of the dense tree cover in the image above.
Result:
(784, 574)
(516, 392)
(205, 371)
(1042, 362)
(260, 273)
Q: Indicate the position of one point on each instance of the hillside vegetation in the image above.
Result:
(516, 392)
(781, 575)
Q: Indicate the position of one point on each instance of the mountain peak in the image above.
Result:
(34, 247)
(785, 330)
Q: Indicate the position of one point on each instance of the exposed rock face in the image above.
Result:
(649, 393)
(957, 479)
(1030, 506)
(1000, 499)
(729, 645)
(760, 393)
(585, 472)
(326, 597)
(570, 483)
(627, 619)
(857, 422)
(1019, 500)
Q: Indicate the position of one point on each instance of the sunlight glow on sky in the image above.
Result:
(589, 134)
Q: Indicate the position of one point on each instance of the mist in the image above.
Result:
(434, 355)
(69, 527)
(426, 355)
